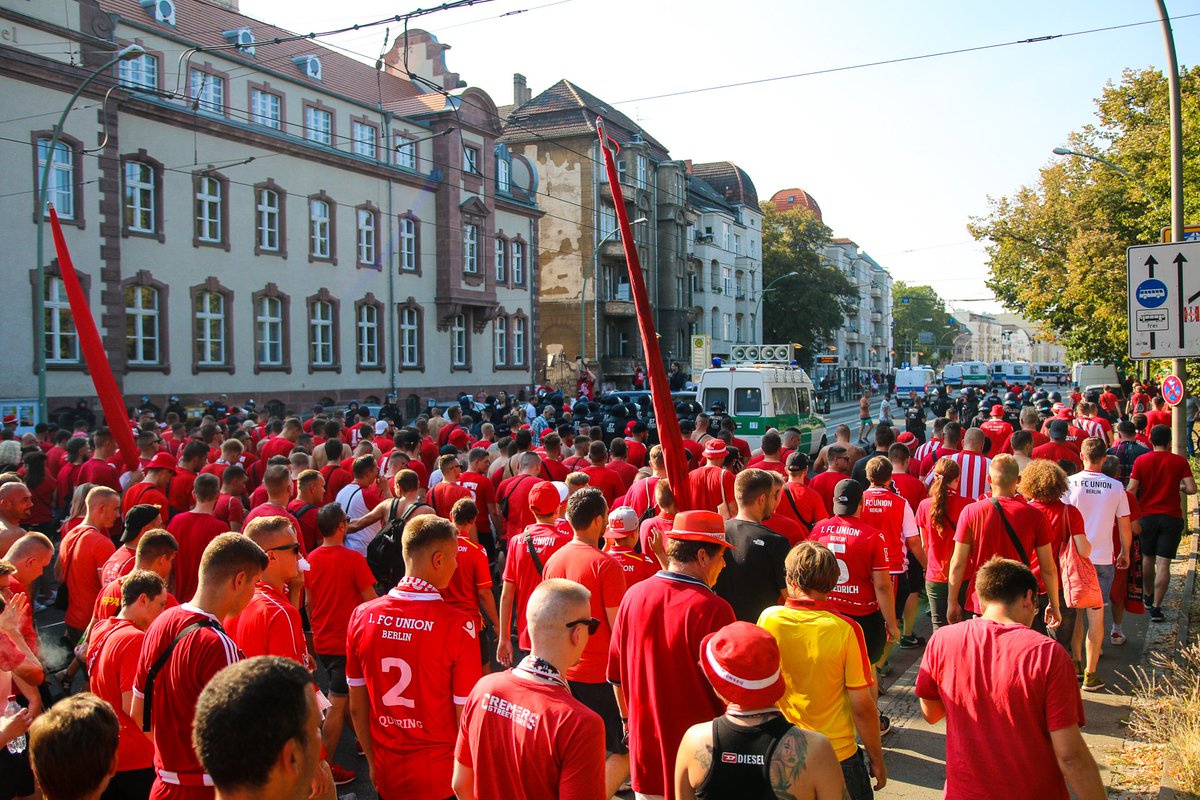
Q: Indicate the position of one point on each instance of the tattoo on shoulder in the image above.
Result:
(788, 763)
(704, 756)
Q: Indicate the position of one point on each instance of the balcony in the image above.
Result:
(613, 248)
(876, 316)
(851, 337)
(619, 308)
(741, 294)
(746, 262)
(877, 341)
(876, 292)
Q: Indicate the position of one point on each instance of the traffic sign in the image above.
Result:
(701, 354)
(1172, 390)
(1191, 233)
(1164, 300)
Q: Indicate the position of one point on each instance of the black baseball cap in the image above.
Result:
(846, 497)
(136, 520)
(797, 462)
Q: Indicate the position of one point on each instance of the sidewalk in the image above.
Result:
(915, 752)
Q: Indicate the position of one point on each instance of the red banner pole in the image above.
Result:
(669, 435)
(115, 415)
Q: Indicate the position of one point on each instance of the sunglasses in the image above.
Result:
(592, 623)
(295, 548)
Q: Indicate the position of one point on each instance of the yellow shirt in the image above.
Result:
(823, 656)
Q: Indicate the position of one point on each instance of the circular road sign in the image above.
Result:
(1172, 390)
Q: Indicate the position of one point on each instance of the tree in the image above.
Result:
(1056, 251)
(810, 307)
(912, 306)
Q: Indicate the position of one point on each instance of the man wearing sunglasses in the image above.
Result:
(270, 624)
(522, 733)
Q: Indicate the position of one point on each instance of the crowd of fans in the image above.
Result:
(514, 605)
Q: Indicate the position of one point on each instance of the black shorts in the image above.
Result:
(601, 698)
(336, 667)
(874, 632)
(16, 774)
(1161, 534)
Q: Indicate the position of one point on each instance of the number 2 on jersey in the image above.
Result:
(395, 695)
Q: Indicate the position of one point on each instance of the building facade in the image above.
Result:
(863, 345)
(725, 256)
(268, 219)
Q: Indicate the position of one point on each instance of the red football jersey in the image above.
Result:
(119, 564)
(711, 486)
(997, 432)
(635, 453)
(653, 658)
(641, 495)
(193, 532)
(269, 626)
(179, 493)
(825, 484)
(473, 574)
(606, 480)
(114, 646)
(625, 471)
(861, 551)
(335, 582)
(636, 567)
(272, 510)
(483, 492)
(520, 570)
(195, 660)
(601, 575)
(230, 510)
(516, 490)
(82, 554)
(442, 497)
(525, 736)
(108, 602)
(890, 514)
(417, 657)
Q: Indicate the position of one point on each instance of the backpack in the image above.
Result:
(385, 553)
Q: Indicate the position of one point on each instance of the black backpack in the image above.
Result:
(504, 500)
(385, 553)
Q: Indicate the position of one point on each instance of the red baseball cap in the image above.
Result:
(543, 499)
(699, 526)
(10, 419)
(629, 426)
(741, 661)
(997, 410)
(1065, 413)
(162, 461)
(715, 449)
(459, 438)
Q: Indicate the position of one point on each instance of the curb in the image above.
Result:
(1166, 791)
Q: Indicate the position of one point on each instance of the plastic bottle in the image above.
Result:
(13, 708)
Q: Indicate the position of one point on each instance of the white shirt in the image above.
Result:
(885, 410)
(351, 499)
(1100, 499)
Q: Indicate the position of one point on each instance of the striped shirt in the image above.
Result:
(1091, 427)
(975, 480)
(932, 446)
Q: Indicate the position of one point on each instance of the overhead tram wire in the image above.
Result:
(898, 60)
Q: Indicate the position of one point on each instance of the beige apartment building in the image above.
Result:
(275, 221)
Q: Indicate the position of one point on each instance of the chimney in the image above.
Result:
(521, 93)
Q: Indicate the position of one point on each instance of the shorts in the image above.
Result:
(16, 774)
(865, 420)
(874, 632)
(901, 589)
(1105, 573)
(1160, 536)
(601, 698)
(858, 777)
(916, 575)
(336, 667)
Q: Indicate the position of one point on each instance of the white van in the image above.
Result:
(765, 395)
(913, 379)
(966, 373)
(1094, 375)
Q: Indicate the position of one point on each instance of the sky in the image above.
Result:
(899, 156)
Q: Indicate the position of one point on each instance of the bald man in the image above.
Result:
(15, 503)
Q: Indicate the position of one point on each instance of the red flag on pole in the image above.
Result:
(669, 435)
(93, 351)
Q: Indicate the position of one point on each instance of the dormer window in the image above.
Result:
(309, 65)
(243, 38)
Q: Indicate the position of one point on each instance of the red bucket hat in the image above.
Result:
(162, 461)
(741, 661)
(715, 449)
(699, 526)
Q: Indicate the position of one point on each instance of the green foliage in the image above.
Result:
(1056, 251)
(909, 321)
(813, 305)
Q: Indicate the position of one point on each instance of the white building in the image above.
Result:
(864, 343)
(276, 221)
(725, 250)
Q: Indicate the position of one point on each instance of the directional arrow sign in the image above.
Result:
(1164, 314)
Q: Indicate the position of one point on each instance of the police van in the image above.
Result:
(760, 388)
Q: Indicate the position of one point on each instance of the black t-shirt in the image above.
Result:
(859, 471)
(753, 578)
(914, 418)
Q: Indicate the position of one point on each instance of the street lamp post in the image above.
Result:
(767, 288)
(39, 289)
(1064, 151)
(596, 293)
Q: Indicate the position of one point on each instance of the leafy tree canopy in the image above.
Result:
(811, 306)
(1056, 250)
(916, 310)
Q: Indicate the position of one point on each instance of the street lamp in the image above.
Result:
(596, 291)
(767, 288)
(1063, 151)
(39, 290)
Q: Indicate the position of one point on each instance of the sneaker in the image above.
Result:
(1079, 670)
(1156, 614)
(1092, 682)
(1117, 638)
(885, 669)
(341, 775)
(909, 642)
(885, 724)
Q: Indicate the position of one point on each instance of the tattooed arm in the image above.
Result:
(804, 765)
(693, 761)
